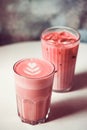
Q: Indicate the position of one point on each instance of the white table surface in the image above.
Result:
(68, 110)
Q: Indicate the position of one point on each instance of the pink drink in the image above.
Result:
(60, 46)
(34, 79)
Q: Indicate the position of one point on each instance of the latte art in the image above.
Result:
(32, 69)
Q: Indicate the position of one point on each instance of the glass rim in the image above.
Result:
(66, 28)
(43, 77)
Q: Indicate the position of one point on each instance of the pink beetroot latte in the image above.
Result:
(60, 46)
(34, 79)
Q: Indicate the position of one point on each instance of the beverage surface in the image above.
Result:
(60, 37)
(33, 68)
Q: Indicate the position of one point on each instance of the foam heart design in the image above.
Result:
(32, 68)
(32, 65)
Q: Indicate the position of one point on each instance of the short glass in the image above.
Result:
(60, 46)
(33, 81)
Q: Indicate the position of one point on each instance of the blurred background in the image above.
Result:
(24, 20)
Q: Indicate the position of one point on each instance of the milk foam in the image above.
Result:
(34, 68)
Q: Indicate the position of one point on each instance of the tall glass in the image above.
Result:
(60, 46)
(33, 89)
